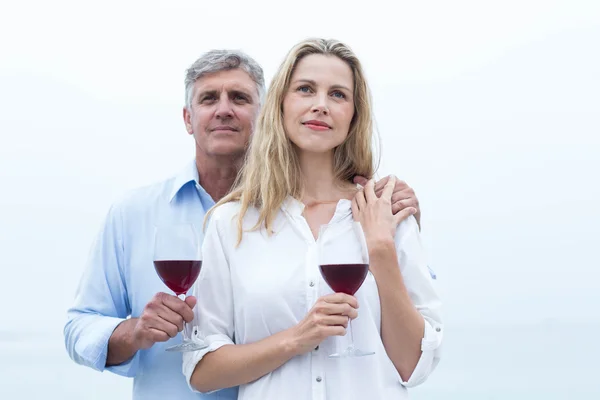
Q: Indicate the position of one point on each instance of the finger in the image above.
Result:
(404, 194)
(340, 298)
(380, 184)
(191, 302)
(158, 323)
(401, 190)
(170, 317)
(334, 330)
(341, 309)
(403, 214)
(361, 202)
(179, 306)
(344, 309)
(360, 180)
(156, 335)
(398, 205)
(355, 211)
(334, 320)
(370, 191)
(388, 189)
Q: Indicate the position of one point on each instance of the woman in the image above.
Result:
(269, 319)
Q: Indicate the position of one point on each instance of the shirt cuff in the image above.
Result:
(95, 345)
(430, 345)
(192, 358)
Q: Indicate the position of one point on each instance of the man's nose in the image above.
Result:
(224, 108)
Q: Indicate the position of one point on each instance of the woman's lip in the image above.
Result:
(316, 127)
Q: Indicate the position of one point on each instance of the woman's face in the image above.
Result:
(319, 105)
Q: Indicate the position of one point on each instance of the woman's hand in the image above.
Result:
(404, 196)
(375, 213)
(328, 317)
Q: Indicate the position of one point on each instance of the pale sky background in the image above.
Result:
(489, 109)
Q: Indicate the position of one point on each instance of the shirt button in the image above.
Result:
(317, 348)
(438, 329)
(311, 284)
(319, 379)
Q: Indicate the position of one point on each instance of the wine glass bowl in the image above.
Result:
(178, 261)
(344, 265)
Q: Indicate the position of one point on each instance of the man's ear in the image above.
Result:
(187, 120)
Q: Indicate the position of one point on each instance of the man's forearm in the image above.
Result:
(121, 346)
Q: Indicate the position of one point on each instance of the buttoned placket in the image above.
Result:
(300, 225)
(312, 295)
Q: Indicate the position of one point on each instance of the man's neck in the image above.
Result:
(217, 174)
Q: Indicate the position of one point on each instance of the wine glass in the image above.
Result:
(177, 261)
(344, 264)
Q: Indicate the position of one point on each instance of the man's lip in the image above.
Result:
(316, 123)
(224, 128)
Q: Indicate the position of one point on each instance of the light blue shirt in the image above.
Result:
(120, 280)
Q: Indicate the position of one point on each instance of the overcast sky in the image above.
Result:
(490, 110)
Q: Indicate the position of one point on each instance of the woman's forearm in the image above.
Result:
(402, 326)
(234, 365)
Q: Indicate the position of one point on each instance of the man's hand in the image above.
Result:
(404, 196)
(162, 319)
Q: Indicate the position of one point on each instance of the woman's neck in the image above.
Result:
(319, 182)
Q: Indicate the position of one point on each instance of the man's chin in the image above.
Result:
(228, 151)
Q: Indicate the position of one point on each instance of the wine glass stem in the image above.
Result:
(184, 332)
(350, 330)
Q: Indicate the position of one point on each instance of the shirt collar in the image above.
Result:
(188, 174)
(295, 208)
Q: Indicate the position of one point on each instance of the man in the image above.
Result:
(121, 320)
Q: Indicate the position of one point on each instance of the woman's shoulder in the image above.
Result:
(226, 210)
(226, 215)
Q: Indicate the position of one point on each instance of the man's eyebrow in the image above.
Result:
(242, 91)
(203, 93)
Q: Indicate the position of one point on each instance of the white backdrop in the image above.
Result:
(490, 110)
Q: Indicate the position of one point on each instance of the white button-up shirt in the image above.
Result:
(269, 283)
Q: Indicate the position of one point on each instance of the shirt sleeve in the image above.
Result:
(101, 301)
(213, 313)
(421, 289)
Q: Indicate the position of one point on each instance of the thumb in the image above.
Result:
(403, 214)
(360, 180)
(190, 301)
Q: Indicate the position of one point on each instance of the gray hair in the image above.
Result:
(223, 60)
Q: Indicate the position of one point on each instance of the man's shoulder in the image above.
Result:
(144, 197)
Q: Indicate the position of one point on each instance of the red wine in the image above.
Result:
(344, 278)
(178, 275)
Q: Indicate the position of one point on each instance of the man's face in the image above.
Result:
(224, 107)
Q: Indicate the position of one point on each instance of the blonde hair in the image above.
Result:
(272, 172)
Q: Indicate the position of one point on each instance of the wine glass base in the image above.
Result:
(191, 345)
(351, 352)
